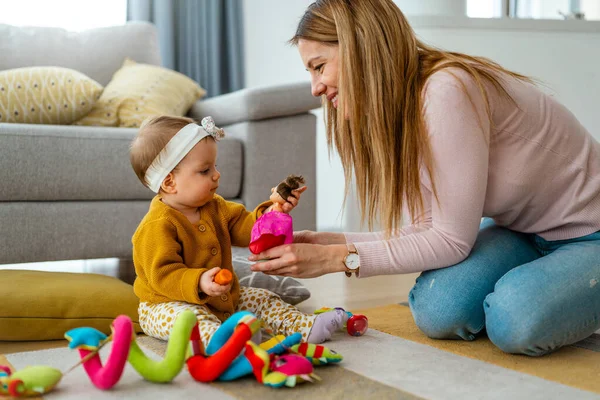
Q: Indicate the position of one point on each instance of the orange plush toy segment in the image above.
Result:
(223, 277)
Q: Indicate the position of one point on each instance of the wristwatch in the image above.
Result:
(352, 260)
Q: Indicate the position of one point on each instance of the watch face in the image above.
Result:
(352, 261)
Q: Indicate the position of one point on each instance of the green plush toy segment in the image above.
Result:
(37, 379)
(166, 369)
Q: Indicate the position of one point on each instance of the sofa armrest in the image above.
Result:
(258, 103)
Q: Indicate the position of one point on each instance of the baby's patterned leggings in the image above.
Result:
(284, 319)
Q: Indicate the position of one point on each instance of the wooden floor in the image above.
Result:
(334, 290)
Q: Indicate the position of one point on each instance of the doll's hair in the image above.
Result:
(154, 134)
(292, 182)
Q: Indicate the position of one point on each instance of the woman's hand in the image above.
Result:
(301, 260)
(287, 205)
(209, 287)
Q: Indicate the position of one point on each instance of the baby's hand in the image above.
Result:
(288, 205)
(211, 288)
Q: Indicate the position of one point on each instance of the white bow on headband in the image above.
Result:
(209, 126)
(177, 149)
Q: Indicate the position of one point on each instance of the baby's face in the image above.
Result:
(196, 177)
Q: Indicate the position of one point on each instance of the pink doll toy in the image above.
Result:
(275, 228)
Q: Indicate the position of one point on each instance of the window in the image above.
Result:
(484, 8)
(558, 9)
(547, 9)
(590, 9)
(73, 15)
(534, 9)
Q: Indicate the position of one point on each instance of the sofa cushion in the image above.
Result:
(39, 305)
(46, 95)
(138, 91)
(34, 231)
(97, 53)
(53, 163)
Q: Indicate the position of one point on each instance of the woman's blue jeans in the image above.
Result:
(531, 296)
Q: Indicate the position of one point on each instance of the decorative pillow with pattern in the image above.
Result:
(138, 91)
(290, 290)
(46, 95)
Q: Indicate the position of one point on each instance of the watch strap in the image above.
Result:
(351, 249)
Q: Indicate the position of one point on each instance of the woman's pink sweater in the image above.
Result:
(533, 169)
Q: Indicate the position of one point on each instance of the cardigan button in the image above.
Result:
(202, 228)
(214, 251)
(224, 297)
(227, 315)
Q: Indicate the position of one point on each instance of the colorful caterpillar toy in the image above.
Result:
(282, 361)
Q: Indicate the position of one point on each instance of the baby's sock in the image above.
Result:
(325, 324)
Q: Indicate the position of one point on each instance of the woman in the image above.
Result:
(451, 138)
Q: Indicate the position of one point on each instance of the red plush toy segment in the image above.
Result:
(205, 369)
(266, 241)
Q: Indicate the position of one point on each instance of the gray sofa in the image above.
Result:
(68, 192)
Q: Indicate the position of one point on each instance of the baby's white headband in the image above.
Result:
(177, 149)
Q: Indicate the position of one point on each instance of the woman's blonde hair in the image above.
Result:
(382, 71)
(153, 136)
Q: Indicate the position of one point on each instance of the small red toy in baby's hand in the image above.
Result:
(276, 227)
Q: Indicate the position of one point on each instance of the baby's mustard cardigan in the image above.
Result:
(170, 253)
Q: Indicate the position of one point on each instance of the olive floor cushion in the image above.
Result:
(39, 305)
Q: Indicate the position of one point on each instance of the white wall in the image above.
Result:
(268, 25)
(564, 54)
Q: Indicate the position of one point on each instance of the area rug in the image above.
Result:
(577, 365)
(392, 361)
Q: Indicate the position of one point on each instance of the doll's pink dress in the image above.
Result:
(270, 230)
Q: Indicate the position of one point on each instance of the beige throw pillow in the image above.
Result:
(138, 91)
(46, 95)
